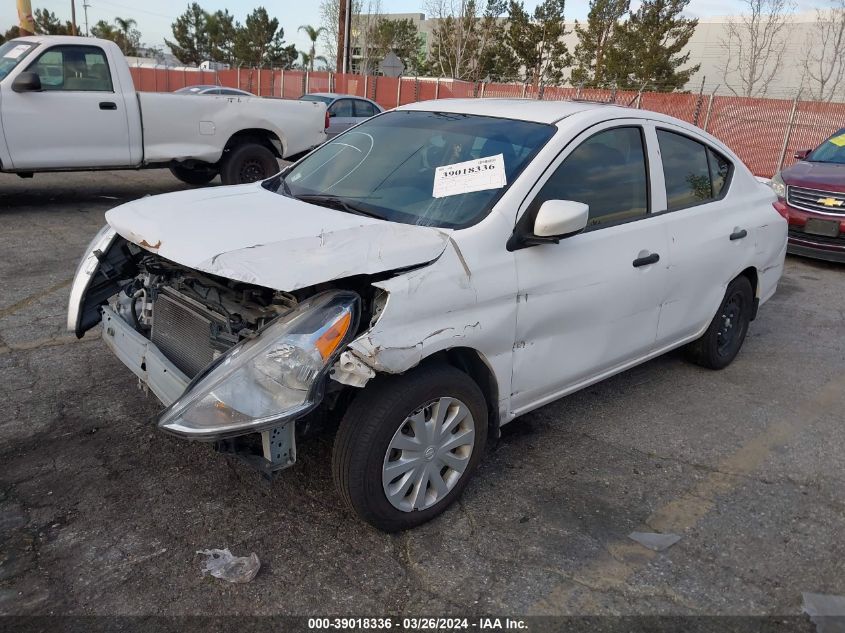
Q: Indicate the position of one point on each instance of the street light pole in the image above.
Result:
(85, 6)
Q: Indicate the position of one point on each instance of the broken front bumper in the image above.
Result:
(168, 383)
(145, 360)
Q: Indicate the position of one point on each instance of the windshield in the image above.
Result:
(427, 168)
(11, 54)
(831, 151)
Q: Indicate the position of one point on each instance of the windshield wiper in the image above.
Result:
(336, 202)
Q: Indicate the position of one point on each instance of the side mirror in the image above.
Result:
(332, 114)
(27, 82)
(555, 220)
(559, 218)
(801, 154)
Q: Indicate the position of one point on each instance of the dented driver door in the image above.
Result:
(590, 304)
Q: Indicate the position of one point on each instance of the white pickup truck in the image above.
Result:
(69, 104)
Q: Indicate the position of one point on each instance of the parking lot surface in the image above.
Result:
(100, 514)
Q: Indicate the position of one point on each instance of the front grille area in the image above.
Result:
(829, 202)
(183, 333)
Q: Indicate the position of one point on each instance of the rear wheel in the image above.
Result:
(247, 163)
(408, 445)
(723, 339)
(193, 175)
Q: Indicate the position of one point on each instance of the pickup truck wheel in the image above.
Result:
(247, 163)
(723, 339)
(193, 176)
(408, 445)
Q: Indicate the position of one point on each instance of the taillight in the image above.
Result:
(327, 120)
(780, 207)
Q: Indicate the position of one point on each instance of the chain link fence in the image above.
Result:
(764, 133)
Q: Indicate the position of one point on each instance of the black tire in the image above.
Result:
(724, 338)
(370, 424)
(193, 176)
(247, 163)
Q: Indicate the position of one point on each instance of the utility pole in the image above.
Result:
(344, 15)
(73, 17)
(85, 7)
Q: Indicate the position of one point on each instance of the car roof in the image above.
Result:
(522, 109)
(336, 95)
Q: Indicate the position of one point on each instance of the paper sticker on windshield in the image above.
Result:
(17, 51)
(473, 175)
(839, 141)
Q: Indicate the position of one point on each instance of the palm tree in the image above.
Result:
(125, 25)
(308, 60)
(313, 35)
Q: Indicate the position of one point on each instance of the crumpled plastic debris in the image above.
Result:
(655, 541)
(221, 563)
(827, 612)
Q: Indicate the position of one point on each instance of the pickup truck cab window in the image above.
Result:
(694, 173)
(78, 68)
(608, 172)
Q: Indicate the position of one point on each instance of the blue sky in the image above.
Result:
(154, 17)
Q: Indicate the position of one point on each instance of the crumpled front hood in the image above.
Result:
(249, 234)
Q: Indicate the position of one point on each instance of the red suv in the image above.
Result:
(811, 196)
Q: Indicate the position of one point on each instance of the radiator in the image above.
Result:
(183, 332)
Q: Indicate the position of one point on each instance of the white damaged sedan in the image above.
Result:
(427, 277)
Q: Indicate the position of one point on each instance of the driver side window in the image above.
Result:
(608, 172)
(77, 68)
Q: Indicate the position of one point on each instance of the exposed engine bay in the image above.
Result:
(192, 317)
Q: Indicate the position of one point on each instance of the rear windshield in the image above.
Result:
(427, 168)
(831, 151)
(11, 54)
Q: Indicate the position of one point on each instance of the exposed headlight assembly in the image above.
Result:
(266, 380)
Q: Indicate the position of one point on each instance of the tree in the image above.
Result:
(221, 31)
(260, 42)
(824, 54)
(48, 23)
(537, 41)
(399, 36)
(595, 39)
(308, 61)
(754, 46)
(364, 14)
(126, 37)
(462, 38)
(313, 35)
(190, 34)
(131, 38)
(647, 48)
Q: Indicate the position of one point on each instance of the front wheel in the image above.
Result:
(408, 445)
(723, 339)
(247, 163)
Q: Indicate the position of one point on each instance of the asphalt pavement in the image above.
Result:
(100, 514)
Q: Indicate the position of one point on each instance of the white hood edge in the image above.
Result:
(249, 234)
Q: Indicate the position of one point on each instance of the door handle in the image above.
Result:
(647, 260)
(108, 105)
(738, 235)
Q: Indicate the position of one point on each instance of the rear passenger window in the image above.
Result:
(607, 172)
(693, 172)
(364, 109)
